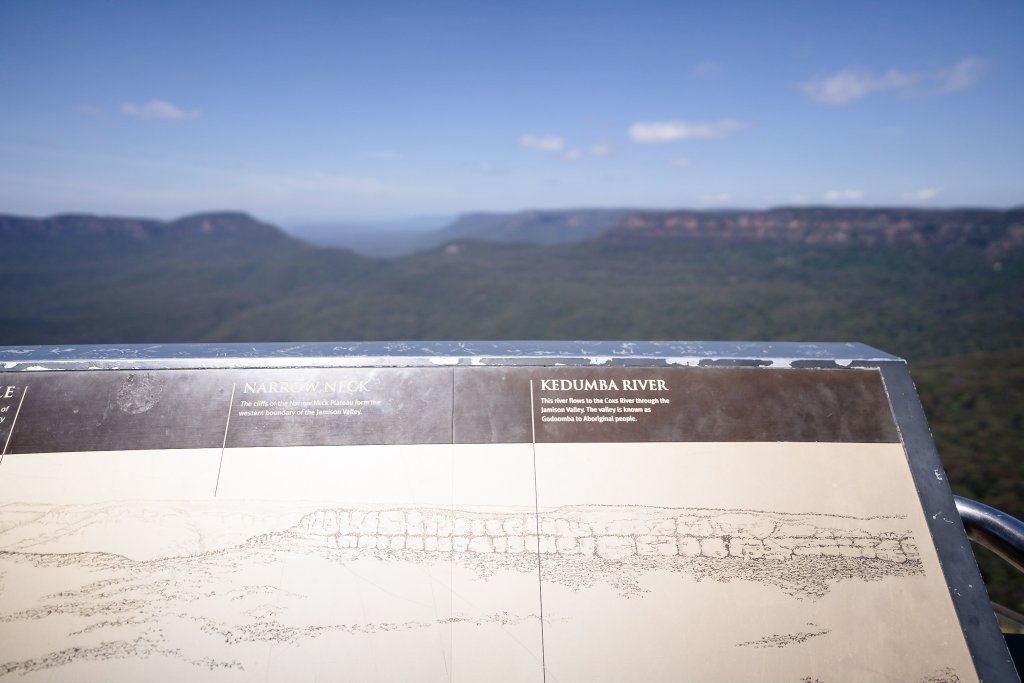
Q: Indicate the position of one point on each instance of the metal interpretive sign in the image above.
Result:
(480, 512)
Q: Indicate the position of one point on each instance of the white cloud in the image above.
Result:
(923, 195)
(159, 109)
(543, 143)
(844, 195)
(850, 85)
(671, 131)
(556, 143)
(601, 148)
(382, 154)
(707, 68)
(679, 162)
(720, 197)
(961, 75)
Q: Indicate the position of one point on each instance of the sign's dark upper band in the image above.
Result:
(130, 410)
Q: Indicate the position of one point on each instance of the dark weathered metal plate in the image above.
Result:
(132, 410)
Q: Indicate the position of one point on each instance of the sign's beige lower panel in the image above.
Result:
(742, 562)
(657, 562)
(311, 563)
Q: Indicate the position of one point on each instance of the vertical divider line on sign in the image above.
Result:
(13, 423)
(536, 512)
(224, 442)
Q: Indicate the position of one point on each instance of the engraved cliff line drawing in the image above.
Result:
(226, 591)
(579, 545)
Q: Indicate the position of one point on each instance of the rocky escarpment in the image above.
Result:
(801, 554)
(999, 233)
(615, 533)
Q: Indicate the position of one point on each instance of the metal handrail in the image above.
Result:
(1001, 533)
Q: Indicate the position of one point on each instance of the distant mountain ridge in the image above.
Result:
(222, 223)
(999, 231)
(545, 227)
(534, 227)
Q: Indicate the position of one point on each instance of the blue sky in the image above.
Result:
(343, 111)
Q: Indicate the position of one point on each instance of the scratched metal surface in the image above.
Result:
(970, 599)
(397, 354)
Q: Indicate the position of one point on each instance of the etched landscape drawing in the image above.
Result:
(795, 561)
(233, 589)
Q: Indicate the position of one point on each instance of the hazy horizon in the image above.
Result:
(428, 221)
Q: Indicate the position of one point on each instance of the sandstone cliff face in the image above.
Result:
(614, 535)
(998, 232)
